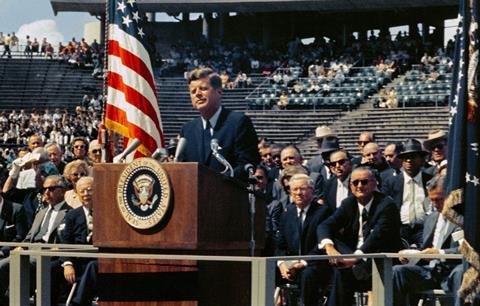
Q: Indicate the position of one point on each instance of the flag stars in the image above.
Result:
(140, 32)
(474, 180)
(126, 20)
(131, 2)
(121, 6)
(136, 17)
(453, 111)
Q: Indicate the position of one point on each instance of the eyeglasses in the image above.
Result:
(78, 174)
(340, 162)
(51, 188)
(438, 146)
(364, 182)
(96, 151)
(79, 147)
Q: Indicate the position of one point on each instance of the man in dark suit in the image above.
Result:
(366, 222)
(437, 239)
(297, 236)
(337, 187)
(372, 157)
(234, 131)
(44, 228)
(323, 135)
(78, 230)
(13, 224)
(408, 190)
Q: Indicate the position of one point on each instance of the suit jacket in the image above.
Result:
(449, 245)
(236, 136)
(393, 186)
(383, 225)
(288, 243)
(330, 192)
(13, 224)
(75, 231)
(37, 223)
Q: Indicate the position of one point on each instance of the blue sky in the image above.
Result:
(15, 13)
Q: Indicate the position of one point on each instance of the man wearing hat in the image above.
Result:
(436, 144)
(327, 142)
(408, 190)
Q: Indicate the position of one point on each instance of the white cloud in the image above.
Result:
(40, 29)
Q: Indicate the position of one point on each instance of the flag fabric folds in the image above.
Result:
(131, 107)
(463, 173)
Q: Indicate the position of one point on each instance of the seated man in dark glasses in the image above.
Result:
(337, 186)
(436, 144)
(366, 222)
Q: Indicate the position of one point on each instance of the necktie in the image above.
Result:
(364, 223)
(89, 228)
(44, 228)
(300, 231)
(207, 138)
(411, 209)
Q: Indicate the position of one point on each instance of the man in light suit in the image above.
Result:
(297, 236)
(366, 222)
(13, 224)
(234, 131)
(408, 190)
(43, 230)
(437, 239)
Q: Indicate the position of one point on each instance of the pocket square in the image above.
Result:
(9, 226)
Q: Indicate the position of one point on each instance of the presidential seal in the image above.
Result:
(143, 193)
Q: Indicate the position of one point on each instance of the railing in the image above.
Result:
(262, 270)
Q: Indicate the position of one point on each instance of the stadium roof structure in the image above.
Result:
(97, 7)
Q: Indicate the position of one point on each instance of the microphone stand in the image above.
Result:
(251, 199)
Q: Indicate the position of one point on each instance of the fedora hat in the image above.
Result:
(412, 146)
(323, 131)
(329, 144)
(434, 137)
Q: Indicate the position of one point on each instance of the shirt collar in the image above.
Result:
(305, 209)
(417, 178)
(367, 207)
(57, 206)
(213, 120)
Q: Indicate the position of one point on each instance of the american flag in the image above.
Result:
(132, 107)
(463, 173)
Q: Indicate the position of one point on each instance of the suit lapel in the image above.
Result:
(429, 229)
(198, 138)
(37, 222)
(4, 216)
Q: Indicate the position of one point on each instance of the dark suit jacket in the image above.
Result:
(288, 243)
(74, 232)
(383, 225)
(235, 134)
(13, 224)
(393, 186)
(330, 192)
(37, 223)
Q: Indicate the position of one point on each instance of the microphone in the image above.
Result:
(215, 147)
(249, 168)
(120, 158)
(159, 153)
(181, 145)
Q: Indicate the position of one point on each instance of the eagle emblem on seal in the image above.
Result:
(143, 189)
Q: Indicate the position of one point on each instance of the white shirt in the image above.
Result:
(360, 228)
(56, 208)
(419, 198)
(213, 120)
(342, 191)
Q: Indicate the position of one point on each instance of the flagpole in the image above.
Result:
(105, 133)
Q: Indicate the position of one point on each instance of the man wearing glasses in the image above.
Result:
(79, 148)
(436, 144)
(43, 230)
(366, 222)
(337, 186)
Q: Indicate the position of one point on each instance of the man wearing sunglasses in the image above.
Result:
(95, 151)
(366, 222)
(337, 186)
(436, 144)
(43, 230)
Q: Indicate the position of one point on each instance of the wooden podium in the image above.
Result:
(209, 216)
